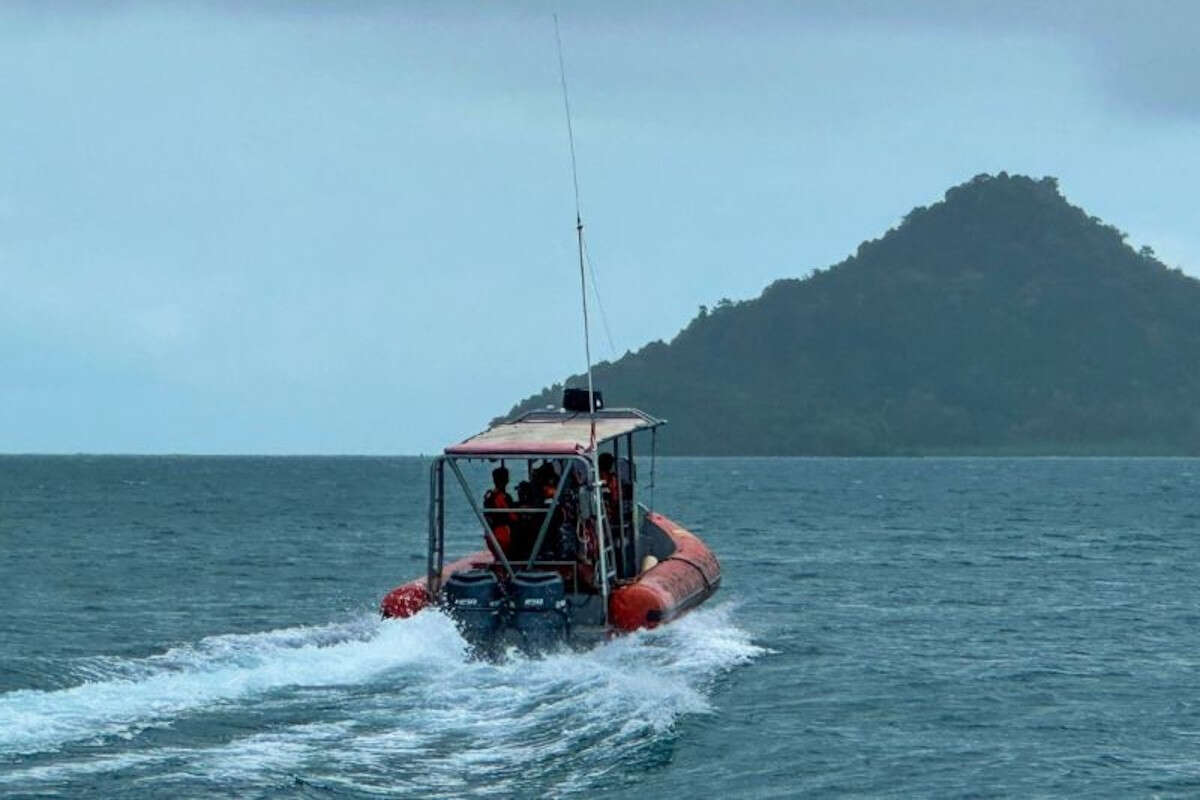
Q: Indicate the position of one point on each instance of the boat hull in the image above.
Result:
(680, 581)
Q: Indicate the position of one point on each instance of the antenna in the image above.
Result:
(587, 343)
(562, 74)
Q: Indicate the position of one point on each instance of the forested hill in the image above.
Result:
(999, 320)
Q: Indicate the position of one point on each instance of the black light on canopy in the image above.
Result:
(577, 400)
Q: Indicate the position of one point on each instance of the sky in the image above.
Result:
(325, 228)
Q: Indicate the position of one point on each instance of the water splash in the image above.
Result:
(372, 705)
(141, 692)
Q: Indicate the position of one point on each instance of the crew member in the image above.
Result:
(546, 479)
(608, 476)
(611, 491)
(498, 498)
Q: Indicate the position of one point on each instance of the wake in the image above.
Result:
(136, 693)
(391, 693)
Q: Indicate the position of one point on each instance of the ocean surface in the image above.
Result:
(206, 627)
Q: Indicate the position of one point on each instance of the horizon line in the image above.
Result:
(876, 456)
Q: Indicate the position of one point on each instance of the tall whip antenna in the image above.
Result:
(562, 74)
(587, 343)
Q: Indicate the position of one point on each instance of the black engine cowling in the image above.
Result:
(540, 613)
(474, 600)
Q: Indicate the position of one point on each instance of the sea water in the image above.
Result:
(196, 627)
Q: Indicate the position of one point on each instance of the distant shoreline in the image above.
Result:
(948, 454)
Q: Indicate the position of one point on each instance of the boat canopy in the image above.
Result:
(553, 433)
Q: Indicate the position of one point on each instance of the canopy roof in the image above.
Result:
(553, 433)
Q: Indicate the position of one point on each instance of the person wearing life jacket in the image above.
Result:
(546, 479)
(611, 488)
(501, 524)
(538, 493)
(608, 477)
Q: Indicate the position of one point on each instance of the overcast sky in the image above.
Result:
(348, 227)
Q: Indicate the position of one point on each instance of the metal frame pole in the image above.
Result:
(623, 561)
(653, 455)
(430, 573)
(487, 529)
(441, 519)
(545, 527)
(600, 529)
(437, 530)
(635, 530)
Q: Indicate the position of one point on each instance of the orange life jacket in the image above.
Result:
(500, 523)
(614, 486)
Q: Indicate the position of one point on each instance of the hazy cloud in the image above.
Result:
(348, 226)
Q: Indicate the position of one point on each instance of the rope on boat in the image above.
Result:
(693, 565)
(587, 254)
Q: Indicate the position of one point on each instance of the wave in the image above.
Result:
(126, 695)
(377, 705)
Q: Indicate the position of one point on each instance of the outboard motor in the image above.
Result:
(541, 610)
(474, 600)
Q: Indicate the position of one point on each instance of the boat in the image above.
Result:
(577, 556)
(577, 581)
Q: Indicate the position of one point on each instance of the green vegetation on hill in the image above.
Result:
(999, 320)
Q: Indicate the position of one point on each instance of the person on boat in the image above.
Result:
(608, 476)
(529, 496)
(501, 524)
(537, 494)
(610, 488)
(610, 484)
(568, 513)
(546, 480)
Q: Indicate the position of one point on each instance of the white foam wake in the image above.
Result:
(401, 708)
(218, 669)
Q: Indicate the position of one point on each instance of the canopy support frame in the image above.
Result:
(487, 529)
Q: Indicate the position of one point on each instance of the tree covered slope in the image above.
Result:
(999, 320)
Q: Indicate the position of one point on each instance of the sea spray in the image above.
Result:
(395, 705)
(218, 669)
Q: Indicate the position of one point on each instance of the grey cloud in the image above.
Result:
(286, 226)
